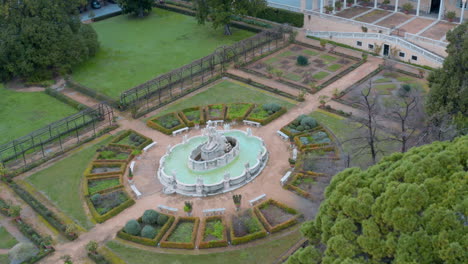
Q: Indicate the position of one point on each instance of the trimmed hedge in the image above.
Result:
(250, 237)
(223, 112)
(41, 209)
(113, 212)
(126, 133)
(302, 147)
(146, 241)
(117, 176)
(167, 131)
(192, 123)
(105, 256)
(191, 245)
(296, 189)
(244, 115)
(117, 147)
(278, 227)
(282, 16)
(121, 165)
(65, 99)
(214, 243)
(270, 118)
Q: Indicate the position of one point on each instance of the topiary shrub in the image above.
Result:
(150, 217)
(162, 219)
(302, 60)
(308, 122)
(148, 232)
(132, 227)
(96, 198)
(271, 108)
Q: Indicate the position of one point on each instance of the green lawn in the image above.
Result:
(310, 52)
(228, 92)
(385, 89)
(328, 57)
(293, 77)
(320, 75)
(343, 129)
(182, 233)
(61, 182)
(136, 50)
(334, 67)
(287, 53)
(383, 80)
(22, 113)
(267, 252)
(4, 259)
(7, 241)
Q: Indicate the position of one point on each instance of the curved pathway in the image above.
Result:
(267, 182)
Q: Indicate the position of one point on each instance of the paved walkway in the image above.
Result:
(267, 182)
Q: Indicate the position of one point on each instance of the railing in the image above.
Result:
(393, 39)
(287, 7)
(381, 29)
(413, 37)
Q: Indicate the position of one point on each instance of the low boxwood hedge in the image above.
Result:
(221, 107)
(301, 146)
(214, 243)
(126, 133)
(250, 237)
(191, 245)
(191, 123)
(282, 16)
(146, 241)
(168, 131)
(230, 116)
(121, 165)
(270, 118)
(278, 227)
(113, 212)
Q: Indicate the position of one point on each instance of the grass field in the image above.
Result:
(136, 50)
(267, 252)
(61, 182)
(22, 113)
(4, 259)
(7, 241)
(343, 129)
(228, 92)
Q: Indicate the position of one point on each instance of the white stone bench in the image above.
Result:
(167, 209)
(179, 131)
(132, 166)
(285, 178)
(251, 123)
(149, 146)
(135, 190)
(217, 211)
(282, 135)
(258, 199)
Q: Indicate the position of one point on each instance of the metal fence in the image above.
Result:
(55, 137)
(170, 86)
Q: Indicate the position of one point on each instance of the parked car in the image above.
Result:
(95, 4)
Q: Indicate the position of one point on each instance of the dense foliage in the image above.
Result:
(132, 227)
(281, 16)
(220, 12)
(137, 7)
(41, 38)
(150, 217)
(409, 208)
(449, 84)
(148, 232)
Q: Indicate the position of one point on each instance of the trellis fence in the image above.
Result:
(173, 85)
(55, 138)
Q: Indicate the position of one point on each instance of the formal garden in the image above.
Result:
(200, 132)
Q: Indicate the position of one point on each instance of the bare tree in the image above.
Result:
(439, 128)
(366, 140)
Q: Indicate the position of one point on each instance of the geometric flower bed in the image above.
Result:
(189, 117)
(302, 183)
(214, 232)
(148, 229)
(266, 113)
(276, 216)
(316, 138)
(182, 234)
(246, 227)
(103, 187)
(301, 124)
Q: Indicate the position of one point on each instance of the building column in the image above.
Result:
(441, 10)
(355, 2)
(462, 12)
(334, 8)
(417, 7)
(396, 5)
(345, 5)
(375, 3)
(321, 6)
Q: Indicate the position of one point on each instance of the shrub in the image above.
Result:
(302, 60)
(281, 16)
(308, 121)
(22, 252)
(407, 7)
(150, 217)
(271, 108)
(162, 219)
(148, 232)
(132, 227)
(92, 246)
(96, 198)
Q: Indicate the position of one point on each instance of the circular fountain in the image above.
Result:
(215, 162)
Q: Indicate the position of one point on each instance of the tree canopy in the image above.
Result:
(137, 7)
(449, 84)
(409, 208)
(220, 12)
(40, 38)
